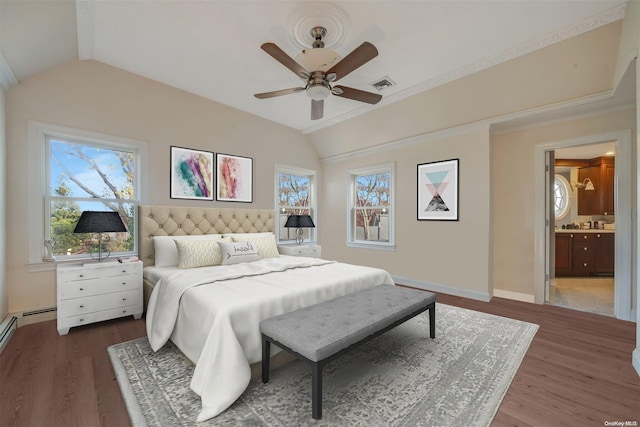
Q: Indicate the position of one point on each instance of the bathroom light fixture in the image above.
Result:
(586, 184)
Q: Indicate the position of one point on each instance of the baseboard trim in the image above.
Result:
(517, 296)
(7, 328)
(434, 287)
(636, 359)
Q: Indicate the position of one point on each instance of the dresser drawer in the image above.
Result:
(76, 306)
(98, 286)
(302, 250)
(97, 316)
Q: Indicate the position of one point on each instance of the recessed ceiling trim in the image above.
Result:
(319, 14)
(7, 78)
(576, 29)
(85, 27)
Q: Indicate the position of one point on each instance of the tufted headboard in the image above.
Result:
(180, 221)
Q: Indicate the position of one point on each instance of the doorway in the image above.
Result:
(544, 229)
(582, 243)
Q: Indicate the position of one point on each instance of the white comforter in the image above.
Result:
(217, 325)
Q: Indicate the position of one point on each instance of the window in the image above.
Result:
(295, 192)
(371, 222)
(561, 196)
(81, 171)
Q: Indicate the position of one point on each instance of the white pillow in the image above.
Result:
(167, 252)
(266, 245)
(198, 253)
(237, 252)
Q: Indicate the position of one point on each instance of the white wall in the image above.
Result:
(89, 95)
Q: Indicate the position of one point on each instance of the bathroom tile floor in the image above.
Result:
(591, 294)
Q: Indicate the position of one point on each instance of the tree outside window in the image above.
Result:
(86, 176)
(295, 197)
(371, 206)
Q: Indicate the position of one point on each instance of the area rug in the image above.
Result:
(401, 378)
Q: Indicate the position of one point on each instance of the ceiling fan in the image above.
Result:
(326, 67)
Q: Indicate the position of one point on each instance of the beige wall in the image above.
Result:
(96, 97)
(577, 67)
(452, 256)
(513, 188)
(4, 294)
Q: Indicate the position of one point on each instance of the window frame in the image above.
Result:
(313, 209)
(38, 182)
(567, 187)
(352, 176)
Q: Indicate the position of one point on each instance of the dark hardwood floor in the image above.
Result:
(577, 371)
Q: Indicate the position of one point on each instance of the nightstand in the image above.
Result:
(98, 291)
(313, 251)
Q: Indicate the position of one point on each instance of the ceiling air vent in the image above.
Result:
(383, 83)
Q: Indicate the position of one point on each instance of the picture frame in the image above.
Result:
(191, 174)
(234, 177)
(438, 190)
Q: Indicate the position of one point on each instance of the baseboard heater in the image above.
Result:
(9, 326)
(41, 311)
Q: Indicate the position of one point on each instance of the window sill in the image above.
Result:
(377, 246)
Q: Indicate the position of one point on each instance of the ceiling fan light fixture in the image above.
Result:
(318, 59)
(318, 92)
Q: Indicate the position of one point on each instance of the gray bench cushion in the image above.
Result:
(321, 330)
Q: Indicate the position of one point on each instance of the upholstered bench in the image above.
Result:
(320, 333)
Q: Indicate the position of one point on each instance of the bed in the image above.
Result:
(212, 312)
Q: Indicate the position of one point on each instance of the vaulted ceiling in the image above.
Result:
(212, 48)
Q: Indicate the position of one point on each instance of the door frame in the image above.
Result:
(623, 199)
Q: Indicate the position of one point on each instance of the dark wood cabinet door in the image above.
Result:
(589, 201)
(563, 254)
(583, 254)
(607, 182)
(605, 253)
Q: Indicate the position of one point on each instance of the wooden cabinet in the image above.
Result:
(98, 291)
(605, 253)
(601, 172)
(563, 254)
(583, 254)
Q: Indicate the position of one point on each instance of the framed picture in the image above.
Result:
(438, 190)
(235, 178)
(191, 174)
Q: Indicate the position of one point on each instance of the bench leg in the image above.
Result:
(266, 350)
(316, 391)
(432, 320)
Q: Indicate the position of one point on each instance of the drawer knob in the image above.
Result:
(82, 289)
(82, 306)
(585, 237)
(124, 283)
(585, 264)
(82, 320)
(585, 248)
(124, 299)
(124, 271)
(124, 311)
(82, 275)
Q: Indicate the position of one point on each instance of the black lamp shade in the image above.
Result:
(299, 221)
(99, 222)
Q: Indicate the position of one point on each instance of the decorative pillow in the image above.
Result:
(266, 245)
(237, 252)
(167, 252)
(198, 253)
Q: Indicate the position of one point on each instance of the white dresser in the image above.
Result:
(98, 291)
(313, 251)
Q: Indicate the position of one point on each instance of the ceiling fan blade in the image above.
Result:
(281, 56)
(357, 94)
(317, 109)
(358, 57)
(278, 92)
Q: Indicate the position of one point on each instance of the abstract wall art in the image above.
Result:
(235, 178)
(438, 190)
(191, 174)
